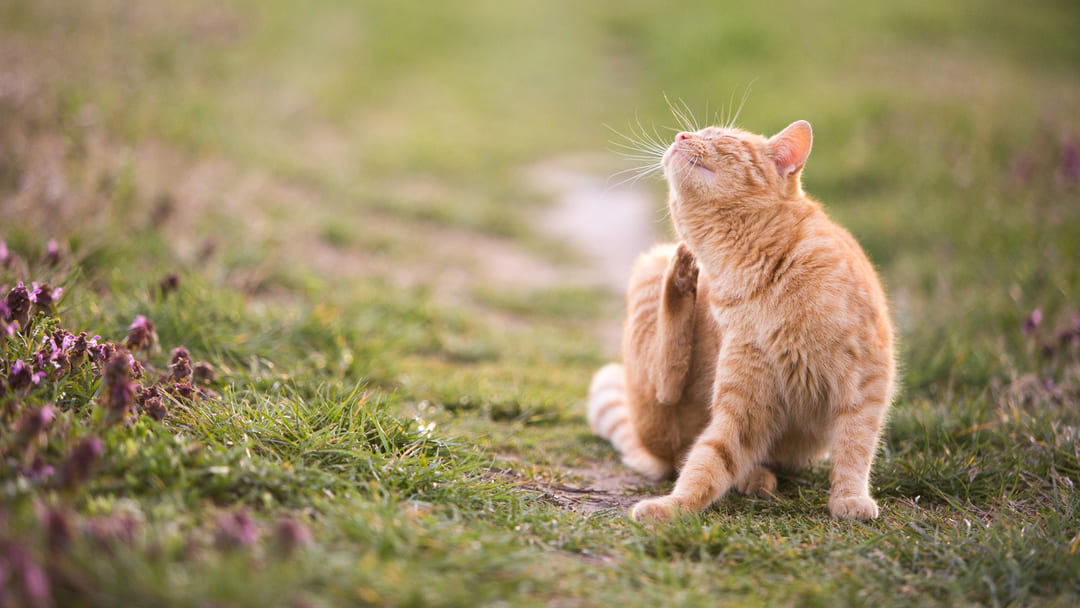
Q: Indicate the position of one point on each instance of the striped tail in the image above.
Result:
(609, 417)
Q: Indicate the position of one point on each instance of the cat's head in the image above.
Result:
(719, 166)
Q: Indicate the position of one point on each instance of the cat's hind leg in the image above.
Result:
(796, 449)
(658, 347)
(609, 417)
(760, 482)
(675, 326)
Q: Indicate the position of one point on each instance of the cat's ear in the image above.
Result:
(790, 147)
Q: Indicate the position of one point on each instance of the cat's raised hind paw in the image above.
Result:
(684, 270)
(853, 507)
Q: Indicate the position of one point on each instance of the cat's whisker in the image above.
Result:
(654, 139)
(640, 136)
(727, 111)
(661, 141)
(638, 142)
(642, 169)
(637, 145)
(680, 116)
(690, 114)
(640, 146)
(646, 156)
(742, 102)
(640, 173)
(686, 176)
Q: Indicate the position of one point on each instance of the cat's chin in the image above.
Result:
(680, 161)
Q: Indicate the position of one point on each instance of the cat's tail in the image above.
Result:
(609, 416)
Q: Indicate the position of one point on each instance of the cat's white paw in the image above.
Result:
(853, 507)
(648, 465)
(659, 509)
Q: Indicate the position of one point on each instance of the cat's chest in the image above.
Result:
(763, 316)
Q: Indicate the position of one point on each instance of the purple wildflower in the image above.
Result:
(168, 284)
(45, 297)
(105, 531)
(5, 255)
(78, 348)
(21, 376)
(155, 407)
(63, 339)
(18, 304)
(1032, 322)
(58, 528)
(180, 365)
(1069, 338)
(143, 394)
(1069, 171)
(102, 352)
(151, 402)
(119, 389)
(141, 334)
(204, 373)
(38, 469)
(183, 391)
(290, 535)
(81, 460)
(236, 530)
(34, 422)
(36, 589)
(136, 367)
(52, 253)
(55, 353)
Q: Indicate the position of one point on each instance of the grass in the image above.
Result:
(390, 422)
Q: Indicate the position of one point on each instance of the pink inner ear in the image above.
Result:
(791, 147)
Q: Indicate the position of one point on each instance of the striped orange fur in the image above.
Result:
(761, 342)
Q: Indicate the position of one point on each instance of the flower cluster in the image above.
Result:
(23, 304)
(141, 334)
(127, 386)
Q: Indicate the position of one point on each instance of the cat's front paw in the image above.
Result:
(661, 509)
(853, 507)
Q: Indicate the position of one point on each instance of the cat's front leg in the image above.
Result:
(675, 322)
(727, 449)
(712, 466)
(855, 433)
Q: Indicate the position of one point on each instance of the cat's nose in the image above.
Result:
(683, 135)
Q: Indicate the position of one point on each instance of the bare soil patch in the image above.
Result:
(603, 486)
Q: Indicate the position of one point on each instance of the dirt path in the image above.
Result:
(610, 226)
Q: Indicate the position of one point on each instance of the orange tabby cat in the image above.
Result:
(761, 342)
